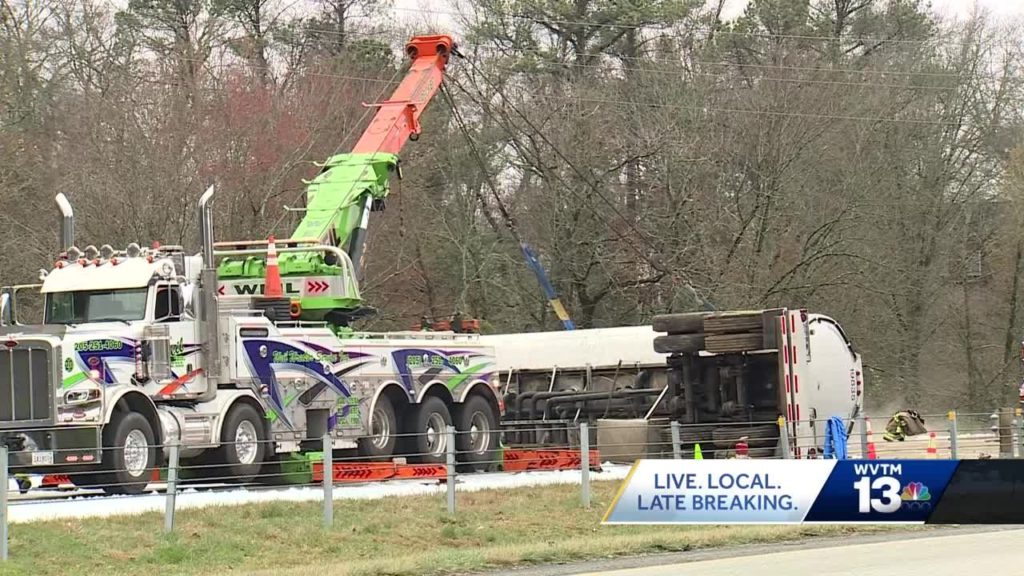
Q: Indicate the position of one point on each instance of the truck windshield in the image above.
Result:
(96, 306)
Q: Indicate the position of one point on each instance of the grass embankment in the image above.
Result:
(398, 536)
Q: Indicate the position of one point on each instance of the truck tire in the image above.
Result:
(684, 323)
(430, 420)
(243, 445)
(689, 437)
(762, 453)
(734, 323)
(679, 343)
(478, 435)
(130, 454)
(380, 445)
(732, 343)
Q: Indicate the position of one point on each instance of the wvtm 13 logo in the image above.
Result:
(885, 495)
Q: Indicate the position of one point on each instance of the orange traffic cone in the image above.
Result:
(273, 287)
(933, 452)
(872, 454)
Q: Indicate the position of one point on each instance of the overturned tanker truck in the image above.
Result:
(723, 376)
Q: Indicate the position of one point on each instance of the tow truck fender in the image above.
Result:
(224, 401)
(365, 417)
(473, 386)
(445, 392)
(118, 392)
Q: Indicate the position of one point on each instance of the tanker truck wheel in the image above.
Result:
(758, 436)
(477, 435)
(690, 436)
(679, 343)
(681, 323)
(429, 422)
(130, 454)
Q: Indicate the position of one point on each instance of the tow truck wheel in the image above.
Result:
(383, 429)
(243, 445)
(430, 419)
(130, 454)
(478, 435)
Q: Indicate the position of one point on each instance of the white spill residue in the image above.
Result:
(89, 505)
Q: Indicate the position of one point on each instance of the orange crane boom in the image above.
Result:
(398, 119)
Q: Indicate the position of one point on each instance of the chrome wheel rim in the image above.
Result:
(479, 433)
(436, 428)
(136, 453)
(245, 442)
(380, 428)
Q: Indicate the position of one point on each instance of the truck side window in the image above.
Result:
(168, 304)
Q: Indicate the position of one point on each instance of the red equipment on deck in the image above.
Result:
(377, 471)
(548, 459)
(514, 461)
(55, 481)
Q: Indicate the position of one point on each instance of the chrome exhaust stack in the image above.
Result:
(5, 309)
(67, 223)
(206, 226)
(209, 325)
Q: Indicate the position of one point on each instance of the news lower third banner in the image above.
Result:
(820, 491)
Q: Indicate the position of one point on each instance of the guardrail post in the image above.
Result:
(5, 481)
(862, 425)
(787, 453)
(1006, 433)
(953, 435)
(172, 487)
(1018, 435)
(328, 449)
(449, 446)
(677, 449)
(585, 463)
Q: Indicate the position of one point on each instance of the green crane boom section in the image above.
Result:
(340, 198)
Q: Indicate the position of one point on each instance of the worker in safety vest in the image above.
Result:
(902, 424)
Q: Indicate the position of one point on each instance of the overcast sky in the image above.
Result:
(954, 8)
(416, 10)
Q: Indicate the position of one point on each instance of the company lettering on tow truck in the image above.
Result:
(435, 360)
(297, 287)
(259, 288)
(98, 345)
(294, 357)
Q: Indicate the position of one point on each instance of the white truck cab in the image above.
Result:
(119, 308)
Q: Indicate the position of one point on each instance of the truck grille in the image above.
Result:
(25, 384)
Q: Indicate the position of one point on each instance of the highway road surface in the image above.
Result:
(996, 551)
